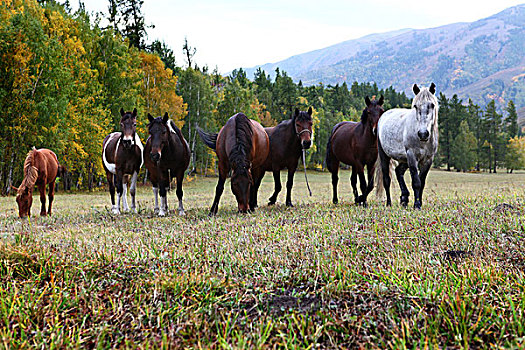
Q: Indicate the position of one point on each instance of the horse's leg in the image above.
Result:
(384, 161)
(119, 187)
(370, 177)
(133, 190)
(111, 183)
(254, 190)
(423, 177)
(125, 206)
(163, 192)
(278, 187)
(156, 195)
(400, 172)
(335, 180)
(353, 182)
(223, 173)
(42, 190)
(51, 195)
(180, 193)
(289, 184)
(364, 187)
(416, 181)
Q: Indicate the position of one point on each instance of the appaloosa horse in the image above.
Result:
(242, 146)
(169, 155)
(40, 169)
(355, 144)
(121, 156)
(287, 142)
(409, 136)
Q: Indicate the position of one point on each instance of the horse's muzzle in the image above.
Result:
(155, 157)
(306, 144)
(423, 135)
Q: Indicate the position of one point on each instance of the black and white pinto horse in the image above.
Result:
(122, 157)
(409, 136)
(169, 156)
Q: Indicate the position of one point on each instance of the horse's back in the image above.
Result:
(109, 146)
(47, 165)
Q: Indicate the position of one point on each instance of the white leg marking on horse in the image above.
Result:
(156, 195)
(132, 190)
(125, 206)
(163, 206)
(181, 208)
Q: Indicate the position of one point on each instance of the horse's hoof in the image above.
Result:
(115, 210)
(417, 206)
(289, 204)
(271, 203)
(181, 213)
(43, 213)
(162, 213)
(155, 211)
(335, 201)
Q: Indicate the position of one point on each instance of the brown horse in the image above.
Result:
(242, 146)
(169, 155)
(355, 144)
(121, 156)
(287, 141)
(40, 169)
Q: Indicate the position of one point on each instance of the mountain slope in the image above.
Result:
(481, 60)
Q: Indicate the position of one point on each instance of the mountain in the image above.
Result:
(481, 60)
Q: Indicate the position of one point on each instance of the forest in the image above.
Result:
(64, 77)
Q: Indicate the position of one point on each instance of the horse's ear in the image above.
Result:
(381, 100)
(122, 112)
(415, 88)
(134, 112)
(432, 89)
(165, 118)
(310, 111)
(150, 118)
(367, 101)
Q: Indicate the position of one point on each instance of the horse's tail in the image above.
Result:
(380, 189)
(208, 138)
(62, 171)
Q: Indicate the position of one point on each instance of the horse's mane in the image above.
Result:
(243, 144)
(30, 171)
(426, 96)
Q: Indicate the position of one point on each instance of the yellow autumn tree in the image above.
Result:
(158, 91)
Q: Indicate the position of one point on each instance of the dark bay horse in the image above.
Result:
(355, 144)
(122, 156)
(242, 146)
(169, 155)
(40, 168)
(409, 136)
(287, 141)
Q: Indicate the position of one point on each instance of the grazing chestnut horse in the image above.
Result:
(287, 142)
(40, 169)
(242, 146)
(169, 155)
(121, 156)
(355, 144)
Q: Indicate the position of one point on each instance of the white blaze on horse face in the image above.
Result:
(425, 120)
(127, 138)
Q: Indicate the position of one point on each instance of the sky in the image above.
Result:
(229, 34)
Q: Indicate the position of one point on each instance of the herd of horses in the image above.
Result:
(246, 151)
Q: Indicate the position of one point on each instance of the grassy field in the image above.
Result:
(313, 276)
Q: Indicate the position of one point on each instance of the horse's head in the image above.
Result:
(24, 199)
(372, 113)
(241, 184)
(159, 131)
(426, 106)
(128, 127)
(302, 122)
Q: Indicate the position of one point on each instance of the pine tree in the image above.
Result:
(511, 121)
(464, 148)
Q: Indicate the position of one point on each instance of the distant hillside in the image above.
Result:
(482, 60)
